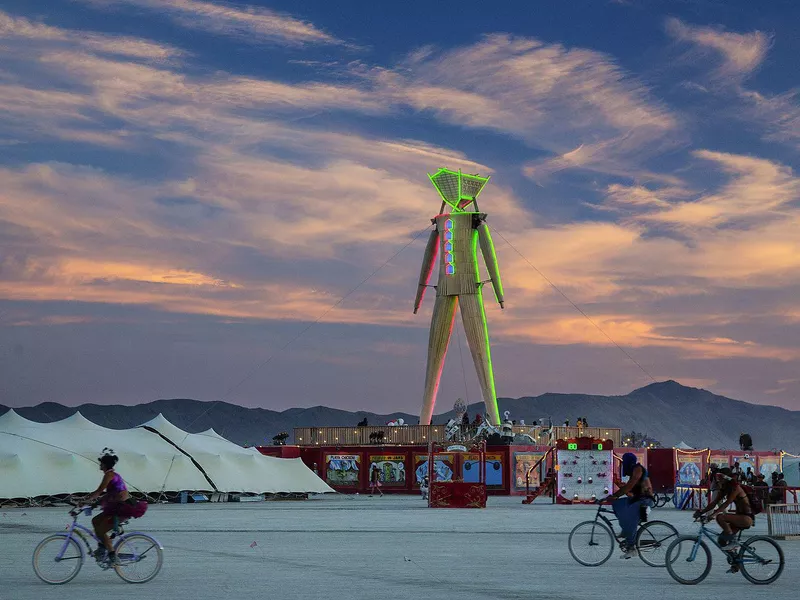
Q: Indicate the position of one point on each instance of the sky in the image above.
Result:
(230, 201)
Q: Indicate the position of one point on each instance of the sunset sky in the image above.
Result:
(187, 186)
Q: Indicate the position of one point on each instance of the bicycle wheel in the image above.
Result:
(591, 543)
(761, 560)
(688, 559)
(139, 558)
(652, 541)
(54, 570)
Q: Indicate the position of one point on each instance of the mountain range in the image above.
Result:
(666, 411)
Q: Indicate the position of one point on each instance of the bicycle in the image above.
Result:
(131, 549)
(661, 499)
(743, 556)
(652, 539)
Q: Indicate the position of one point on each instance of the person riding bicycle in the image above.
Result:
(729, 492)
(116, 503)
(630, 499)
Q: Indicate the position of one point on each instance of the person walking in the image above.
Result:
(375, 481)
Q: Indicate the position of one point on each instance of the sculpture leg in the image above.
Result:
(444, 313)
(474, 318)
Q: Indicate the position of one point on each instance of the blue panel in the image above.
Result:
(494, 472)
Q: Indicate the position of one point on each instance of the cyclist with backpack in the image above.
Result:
(730, 492)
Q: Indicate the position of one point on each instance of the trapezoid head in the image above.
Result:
(458, 190)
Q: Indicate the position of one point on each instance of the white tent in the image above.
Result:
(684, 446)
(47, 459)
(233, 468)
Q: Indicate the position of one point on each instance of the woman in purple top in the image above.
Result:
(116, 502)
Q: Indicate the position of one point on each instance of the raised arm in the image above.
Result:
(431, 251)
(487, 249)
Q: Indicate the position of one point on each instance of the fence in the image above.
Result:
(784, 521)
(422, 434)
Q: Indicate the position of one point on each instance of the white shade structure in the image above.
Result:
(48, 459)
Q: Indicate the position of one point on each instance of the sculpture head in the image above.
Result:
(458, 190)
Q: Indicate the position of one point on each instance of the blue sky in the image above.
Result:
(189, 185)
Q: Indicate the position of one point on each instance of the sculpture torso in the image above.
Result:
(458, 266)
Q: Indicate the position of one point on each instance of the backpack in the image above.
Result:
(754, 498)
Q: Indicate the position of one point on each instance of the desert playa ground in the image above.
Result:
(354, 547)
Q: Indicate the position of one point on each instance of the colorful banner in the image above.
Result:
(391, 468)
(767, 465)
(791, 470)
(342, 469)
(746, 461)
(523, 462)
(690, 468)
(721, 460)
(443, 467)
(471, 464)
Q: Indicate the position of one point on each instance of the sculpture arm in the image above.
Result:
(431, 251)
(487, 249)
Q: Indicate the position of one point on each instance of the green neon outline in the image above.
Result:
(460, 176)
(499, 283)
(572, 446)
(490, 368)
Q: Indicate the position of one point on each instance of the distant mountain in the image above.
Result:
(666, 411)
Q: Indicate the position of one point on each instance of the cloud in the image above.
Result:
(251, 24)
(740, 54)
(22, 29)
(551, 97)
(759, 189)
(779, 115)
(630, 331)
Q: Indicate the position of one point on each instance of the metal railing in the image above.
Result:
(784, 521)
(408, 435)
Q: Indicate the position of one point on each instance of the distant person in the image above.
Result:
(628, 501)
(749, 477)
(737, 471)
(465, 421)
(778, 493)
(375, 481)
(729, 492)
(761, 488)
(424, 487)
(116, 503)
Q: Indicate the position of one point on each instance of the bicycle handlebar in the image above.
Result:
(79, 508)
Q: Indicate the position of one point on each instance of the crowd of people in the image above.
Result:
(769, 493)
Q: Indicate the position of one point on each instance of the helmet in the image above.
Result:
(628, 462)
